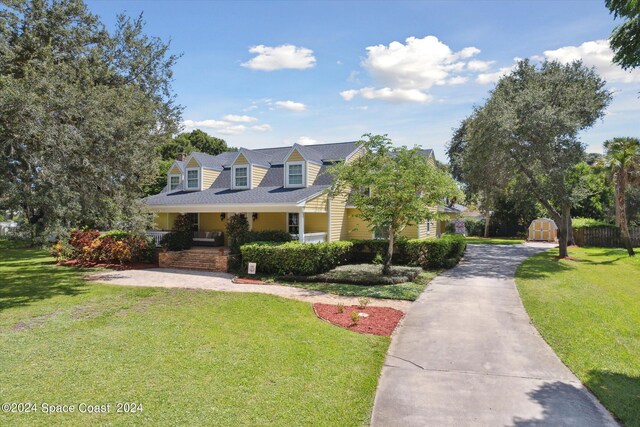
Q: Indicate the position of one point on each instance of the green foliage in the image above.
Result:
(83, 110)
(361, 274)
(355, 317)
(268, 236)
(625, 38)
(394, 186)
(295, 258)
(444, 252)
(530, 126)
(196, 140)
(590, 223)
(237, 232)
(115, 234)
(363, 302)
(181, 236)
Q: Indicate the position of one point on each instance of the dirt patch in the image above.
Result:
(378, 320)
(35, 321)
(76, 263)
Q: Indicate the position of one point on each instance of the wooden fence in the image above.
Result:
(606, 237)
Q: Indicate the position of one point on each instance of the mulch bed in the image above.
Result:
(244, 281)
(381, 320)
(76, 263)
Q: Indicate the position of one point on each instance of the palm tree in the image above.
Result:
(623, 161)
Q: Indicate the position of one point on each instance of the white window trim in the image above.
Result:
(304, 174)
(171, 175)
(186, 185)
(233, 177)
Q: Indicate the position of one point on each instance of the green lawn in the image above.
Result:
(473, 240)
(589, 312)
(404, 291)
(189, 357)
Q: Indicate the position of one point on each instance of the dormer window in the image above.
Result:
(193, 179)
(295, 174)
(174, 182)
(241, 177)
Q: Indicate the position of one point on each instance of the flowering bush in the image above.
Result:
(112, 247)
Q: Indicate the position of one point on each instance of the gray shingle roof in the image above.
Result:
(207, 160)
(224, 196)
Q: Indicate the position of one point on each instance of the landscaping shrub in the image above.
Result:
(268, 236)
(181, 236)
(367, 251)
(294, 257)
(361, 274)
(89, 246)
(237, 232)
(590, 223)
(444, 252)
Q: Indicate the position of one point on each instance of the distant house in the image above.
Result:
(275, 188)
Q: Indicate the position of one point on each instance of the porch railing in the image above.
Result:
(315, 237)
(157, 235)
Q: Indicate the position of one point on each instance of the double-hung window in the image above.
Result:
(193, 179)
(293, 221)
(174, 182)
(241, 177)
(295, 174)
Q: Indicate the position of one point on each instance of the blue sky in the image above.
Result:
(263, 74)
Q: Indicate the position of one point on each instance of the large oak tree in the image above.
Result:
(82, 111)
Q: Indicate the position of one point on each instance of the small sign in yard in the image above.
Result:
(252, 268)
(460, 227)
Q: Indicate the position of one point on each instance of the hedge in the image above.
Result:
(444, 252)
(299, 259)
(295, 258)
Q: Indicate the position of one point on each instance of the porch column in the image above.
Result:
(301, 226)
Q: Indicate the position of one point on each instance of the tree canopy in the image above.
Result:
(625, 38)
(196, 140)
(82, 112)
(529, 127)
(393, 187)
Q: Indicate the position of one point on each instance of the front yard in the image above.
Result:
(474, 240)
(588, 310)
(188, 357)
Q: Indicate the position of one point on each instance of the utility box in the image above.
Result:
(543, 230)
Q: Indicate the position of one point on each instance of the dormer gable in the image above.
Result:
(301, 167)
(192, 174)
(175, 176)
(247, 170)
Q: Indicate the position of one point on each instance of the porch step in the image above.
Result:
(200, 258)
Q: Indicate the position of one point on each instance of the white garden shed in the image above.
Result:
(543, 230)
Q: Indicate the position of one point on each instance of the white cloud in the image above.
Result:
(486, 78)
(232, 130)
(418, 64)
(291, 105)
(305, 140)
(280, 57)
(406, 71)
(261, 128)
(240, 119)
(596, 54)
(477, 65)
(211, 124)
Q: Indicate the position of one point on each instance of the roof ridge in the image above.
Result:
(310, 145)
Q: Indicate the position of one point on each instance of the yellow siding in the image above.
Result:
(208, 176)
(422, 230)
(312, 172)
(356, 155)
(315, 222)
(241, 160)
(210, 221)
(338, 218)
(357, 228)
(270, 221)
(410, 231)
(295, 157)
(257, 173)
(317, 204)
(161, 221)
(171, 219)
(193, 163)
(175, 170)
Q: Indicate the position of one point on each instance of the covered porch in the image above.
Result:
(304, 226)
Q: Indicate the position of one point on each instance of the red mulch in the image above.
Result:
(381, 320)
(244, 281)
(76, 263)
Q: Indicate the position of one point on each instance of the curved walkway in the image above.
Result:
(189, 279)
(467, 355)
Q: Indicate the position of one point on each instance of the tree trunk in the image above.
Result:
(487, 221)
(571, 241)
(621, 210)
(386, 268)
(563, 231)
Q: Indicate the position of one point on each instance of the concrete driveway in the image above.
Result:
(467, 355)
